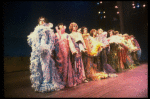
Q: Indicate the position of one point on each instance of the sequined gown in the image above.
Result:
(44, 75)
(63, 49)
(76, 59)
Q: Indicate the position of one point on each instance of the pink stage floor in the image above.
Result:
(130, 83)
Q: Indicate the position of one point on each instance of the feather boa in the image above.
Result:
(115, 39)
(97, 47)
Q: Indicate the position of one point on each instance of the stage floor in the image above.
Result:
(131, 83)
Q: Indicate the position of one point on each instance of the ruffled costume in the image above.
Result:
(102, 57)
(93, 49)
(76, 59)
(44, 75)
(63, 47)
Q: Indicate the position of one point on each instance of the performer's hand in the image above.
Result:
(64, 27)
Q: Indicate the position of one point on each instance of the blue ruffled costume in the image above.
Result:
(44, 76)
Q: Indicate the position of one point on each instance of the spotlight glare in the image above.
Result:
(118, 12)
(138, 6)
(144, 5)
(101, 2)
(116, 6)
(133, 6)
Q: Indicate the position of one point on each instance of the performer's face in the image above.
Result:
(85, 30)
(126, 37)
(110, 33)
(42, 21)
(75, 27)
(94, 33)
(100, 31)
(61, 26)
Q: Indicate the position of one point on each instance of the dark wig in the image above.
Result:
(59, 25)
(45, 20)
(108, 34)
(82, 29)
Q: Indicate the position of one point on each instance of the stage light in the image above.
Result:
(104, 16)
(133, 3)
(103, 11)
(133, 6)
(101, 2)
(118, 12)
(97, 3)
(138, 5)
(99, 12)
(116, 6)
(144, 5)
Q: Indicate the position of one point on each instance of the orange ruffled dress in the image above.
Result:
(93, 47)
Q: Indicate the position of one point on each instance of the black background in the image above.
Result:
(20, 18)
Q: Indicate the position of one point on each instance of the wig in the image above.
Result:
(92, 31)
(71, 26)
(116, 32)
(108, 34)
(59, 25)
(45, 20)
(100, 29)
(82, 29)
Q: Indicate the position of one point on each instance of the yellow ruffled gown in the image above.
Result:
(93, 47)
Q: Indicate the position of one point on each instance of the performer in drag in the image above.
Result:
(76, 59)
(93, 49)
(113, 58)
(63, 46)
(104, 66)
(44, 75)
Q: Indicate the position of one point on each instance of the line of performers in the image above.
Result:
(60, 60)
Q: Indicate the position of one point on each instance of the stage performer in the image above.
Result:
(44, 75)
(131, 48)
(104, 66)
(120, 51)
(76, 59)
(113, 58)
(63, 47)
(93, 49)
(136, 55)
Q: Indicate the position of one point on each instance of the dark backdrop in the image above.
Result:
(20, 18)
